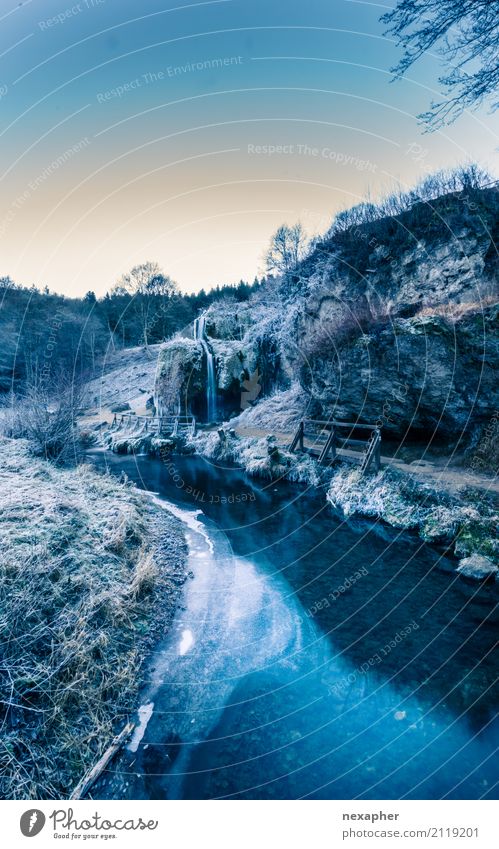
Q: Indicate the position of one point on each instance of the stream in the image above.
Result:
(312, 657)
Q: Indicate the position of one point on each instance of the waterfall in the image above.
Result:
(211, 383)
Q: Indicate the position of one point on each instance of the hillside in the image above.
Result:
(125, 380)
(392, 320)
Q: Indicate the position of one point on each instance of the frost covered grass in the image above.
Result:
(260, 458)
(280, 412)
(126, 376)
(81, 588)
(467, 523)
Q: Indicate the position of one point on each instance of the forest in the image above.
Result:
(43, 333)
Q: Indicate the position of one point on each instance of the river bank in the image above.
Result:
(91, 575)
(457, 516)
(464, 523)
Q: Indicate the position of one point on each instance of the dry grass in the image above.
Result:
(76, 582)
(455, 311)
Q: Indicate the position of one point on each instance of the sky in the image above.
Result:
(186, 133)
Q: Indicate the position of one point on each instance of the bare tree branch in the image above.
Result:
(466, 34)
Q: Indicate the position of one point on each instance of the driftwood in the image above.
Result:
(93, 774)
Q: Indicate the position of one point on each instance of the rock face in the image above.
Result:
(426, 373)
(402, 328)
(234, 364)
(229, 320)
(477, 568)
(244, 347)
(180, 377)
(394, 322)
(435, 253)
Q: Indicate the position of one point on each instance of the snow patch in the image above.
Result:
(145, 713)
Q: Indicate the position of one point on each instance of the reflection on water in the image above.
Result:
(314, 657)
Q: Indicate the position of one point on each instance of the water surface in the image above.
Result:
(313, 658)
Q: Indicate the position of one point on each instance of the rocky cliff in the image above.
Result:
(397, 321)
(429, 374)
(394, 321)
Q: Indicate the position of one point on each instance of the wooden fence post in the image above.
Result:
(298, 438)
(377, 455)
(328, 446)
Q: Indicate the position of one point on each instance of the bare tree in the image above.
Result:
(464, 178)
(287, 247)
(466, 33)
(146, 283)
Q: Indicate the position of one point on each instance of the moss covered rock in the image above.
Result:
(180, 374)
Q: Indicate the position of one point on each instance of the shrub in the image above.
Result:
(46, 417)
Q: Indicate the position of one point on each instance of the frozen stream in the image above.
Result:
(263, 690)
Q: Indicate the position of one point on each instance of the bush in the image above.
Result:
(46, 417)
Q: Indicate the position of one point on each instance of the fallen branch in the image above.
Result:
(93, 774)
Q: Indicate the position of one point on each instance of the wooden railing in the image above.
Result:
(328, 436)
(162, 425)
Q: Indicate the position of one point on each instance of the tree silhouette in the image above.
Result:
(147, 284)
(287, 247)
(466, 34)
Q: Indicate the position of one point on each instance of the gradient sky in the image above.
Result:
(95, 180)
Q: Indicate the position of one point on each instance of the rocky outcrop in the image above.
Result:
(244, 347)
(399, 324)
(235, 362)
(477, 568)
(394, 322)
(428, 373)
(434, 253)
(229, 320)
(180, 376)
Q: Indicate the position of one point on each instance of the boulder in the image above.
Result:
(477, 568)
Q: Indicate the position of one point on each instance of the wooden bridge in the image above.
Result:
(161, 425)
(326, 437)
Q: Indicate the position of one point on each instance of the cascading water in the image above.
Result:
(211, 385)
